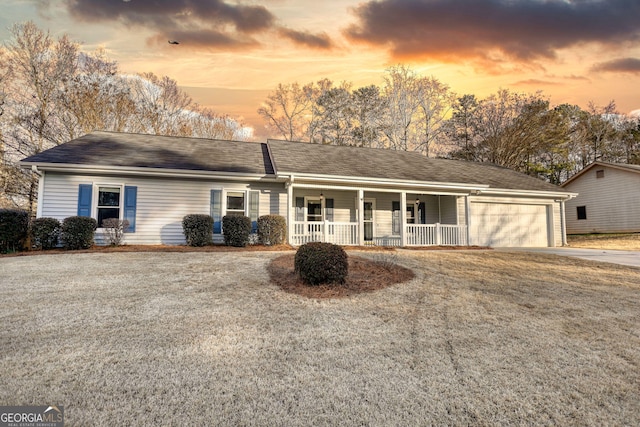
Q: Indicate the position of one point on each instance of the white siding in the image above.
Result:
(612, 202)
(161, 203)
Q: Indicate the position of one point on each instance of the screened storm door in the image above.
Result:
(369, 213)
(314, 210)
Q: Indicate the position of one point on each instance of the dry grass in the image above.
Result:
(627, 242)
(477, 338)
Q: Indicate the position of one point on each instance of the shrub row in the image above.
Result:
(74, 232)
(317, 263)
(198, 230)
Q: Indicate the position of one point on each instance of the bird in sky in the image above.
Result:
(173, 42)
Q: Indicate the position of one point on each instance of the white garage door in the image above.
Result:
(509, 225)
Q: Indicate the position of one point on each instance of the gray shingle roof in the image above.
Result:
(163, 152)
(194, 154)
(295, 157)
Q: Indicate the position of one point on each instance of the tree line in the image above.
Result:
(417, 113)
(52, 92)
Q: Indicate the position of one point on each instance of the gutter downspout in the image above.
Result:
(563, 223)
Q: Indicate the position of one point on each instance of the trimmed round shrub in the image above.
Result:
(236, 230)
(45, 232)
(198, 229)
(272, 230)
(14, 229)
(76, 232)
(317, 263)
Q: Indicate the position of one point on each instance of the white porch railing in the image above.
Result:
(346, 234)
(339, 233)
(436, 234)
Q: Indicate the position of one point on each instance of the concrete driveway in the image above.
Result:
(631, 258)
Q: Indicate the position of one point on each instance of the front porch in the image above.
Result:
(376, 217)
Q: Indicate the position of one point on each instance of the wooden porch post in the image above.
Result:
(403, 219)
(290, 227)
(361, 217)
(467, 218)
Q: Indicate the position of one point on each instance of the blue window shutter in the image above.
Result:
(84, 199)
(328, 210)
(300, 209)
(216, 210)
(254, 200)
(130, 202)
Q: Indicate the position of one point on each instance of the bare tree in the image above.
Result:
(288, 110)
(436, 101)
(368, 109)
(160, 104)
(402, 94)
(40, 66)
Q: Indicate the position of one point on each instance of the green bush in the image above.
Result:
(198, 229)
(272, 230)
(45, 232)
(236, 230)
(317, 263)
(14, 229)
(77, 232)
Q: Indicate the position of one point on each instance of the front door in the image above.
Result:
(369, 213)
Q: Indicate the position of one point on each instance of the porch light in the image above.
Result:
(417, 201)
(321, 196)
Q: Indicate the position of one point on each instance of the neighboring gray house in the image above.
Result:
(608, 200)
(344, 195)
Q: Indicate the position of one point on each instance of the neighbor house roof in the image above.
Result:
(619, 166)
(124, 151)
(128, 150)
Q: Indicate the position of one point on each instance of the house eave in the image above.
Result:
(559, 195)
(150, 172)
(339, 180)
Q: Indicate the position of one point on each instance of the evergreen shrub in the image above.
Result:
(77, 232)
(45, 232)
(317, 263)
(198, 229)
(272, 230)
(14, 229)
(236, 230)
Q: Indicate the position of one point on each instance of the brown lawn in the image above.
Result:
(627, 242)
(204, 338)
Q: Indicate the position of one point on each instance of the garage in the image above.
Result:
(509, 225)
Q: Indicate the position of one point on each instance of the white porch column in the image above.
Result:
(361, 217)
(403, 219)
(290, 217)
(467, 217)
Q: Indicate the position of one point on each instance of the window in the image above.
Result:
(235, 203)
(600, 173)
(582, 212)
(108, 203)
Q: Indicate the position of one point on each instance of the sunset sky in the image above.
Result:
(233, 53)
